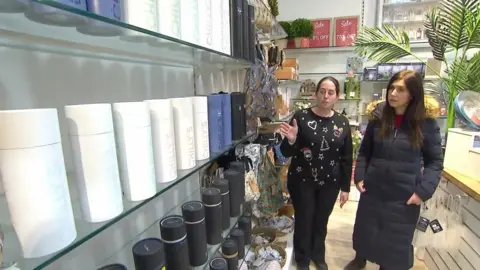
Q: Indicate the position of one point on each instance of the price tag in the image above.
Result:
(435, 225)
(422, 224)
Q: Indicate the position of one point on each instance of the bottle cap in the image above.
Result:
(172, 228)
(211, 197)
(193, 211)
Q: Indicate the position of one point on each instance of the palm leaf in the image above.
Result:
(473, 73)
(463, 75)
(473, 28)
(457, 13)
(434, 29)
(385, 44)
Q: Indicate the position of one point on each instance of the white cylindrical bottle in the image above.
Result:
(133, 136)
(35, 181)
(189, 20)
(200, 120)
(205, 23)
(169, 17)
(226, 35)
(163, 137)
(217, 25)
(140, 13)
(184, 132)
(90, 130)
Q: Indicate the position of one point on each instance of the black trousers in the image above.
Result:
(313, 205)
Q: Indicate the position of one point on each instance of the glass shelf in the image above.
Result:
(86, 230)
(124, 255)
(132, 44)
(267, 26)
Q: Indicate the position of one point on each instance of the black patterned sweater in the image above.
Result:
(322, 152)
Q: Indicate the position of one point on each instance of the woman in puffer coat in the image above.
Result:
(389, 175)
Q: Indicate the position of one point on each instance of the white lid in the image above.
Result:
(200, 104)
(181, 103)
(28, 128)
(161, 106)
(89, 119)
(131, 114)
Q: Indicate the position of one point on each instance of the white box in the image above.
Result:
(460, 155)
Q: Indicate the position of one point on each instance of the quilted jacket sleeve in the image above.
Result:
(432, 160)
(365, 153)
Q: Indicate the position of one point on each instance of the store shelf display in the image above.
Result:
(91, 134)
(157, 231)
(139, 41)
(267, 26)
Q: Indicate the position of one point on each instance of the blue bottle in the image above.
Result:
(227, 118)
(110, 9)
(215, 124)
(45, 14)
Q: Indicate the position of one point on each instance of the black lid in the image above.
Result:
(211, 196)
(236, 232)
(234, 175)
(193, 211)
(245, 220)
(148, 253)
(218, 264)
(115, 266)
(237, 166)
(229, 247)
(172, 228)
(221, 184)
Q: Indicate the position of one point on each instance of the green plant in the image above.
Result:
(454, 28)
(287, 26)
(352, 85)
(302, 28)
(273, 7)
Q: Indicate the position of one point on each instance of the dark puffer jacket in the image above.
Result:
(391, 171)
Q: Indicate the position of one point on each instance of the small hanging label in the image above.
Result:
(422, 224)
(435, 225)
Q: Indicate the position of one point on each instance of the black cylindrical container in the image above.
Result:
(230, 253)
(237, 28)
(218, 264)
(236, 180)
(174, 236)
(115, 266)
(194, 215)
(246, 30)
(252, 33)
(238, 235)
(235, 165)
(212, 200)
(239, 129)
(222, 185)
(148, 254)
(245, 224)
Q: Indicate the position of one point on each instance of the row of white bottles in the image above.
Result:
(202, 22)
(150, 140)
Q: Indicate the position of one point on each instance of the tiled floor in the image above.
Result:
(339, 239)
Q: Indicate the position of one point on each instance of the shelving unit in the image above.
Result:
(407, 15)
(53, 60)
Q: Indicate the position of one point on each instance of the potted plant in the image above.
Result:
(301, 28)
(454, 28)
(282, 43)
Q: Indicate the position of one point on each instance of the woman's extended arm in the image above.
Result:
(287, 148)
(432, 160)
(346, 161)
(364, 153)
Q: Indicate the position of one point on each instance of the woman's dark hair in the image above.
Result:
(333, 80)
(415, 113)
